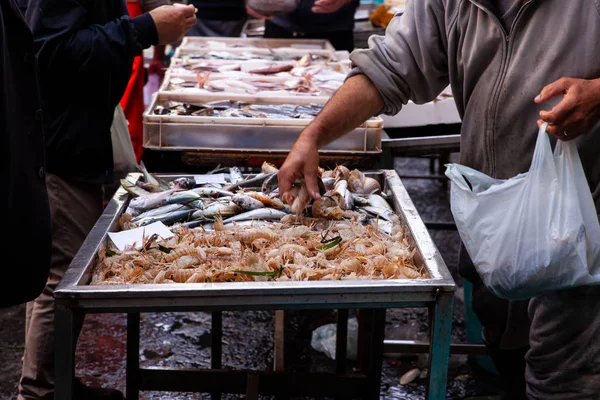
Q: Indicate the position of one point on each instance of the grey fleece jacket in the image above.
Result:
(494, 78)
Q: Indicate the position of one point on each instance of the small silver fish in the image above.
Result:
(235, 175)
(260, 214)
(215, 209)
(270, 184)
(184, 196)
(167, 219)
(160, 211)
(185, 182)
(248, 183)
(376, 200)
(247, 203)
(152, 200)
(207, 191)
(386, 214)
(253, 223)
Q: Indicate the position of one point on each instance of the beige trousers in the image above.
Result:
(74, 208)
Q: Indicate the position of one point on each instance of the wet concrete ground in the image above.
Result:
(183, 339)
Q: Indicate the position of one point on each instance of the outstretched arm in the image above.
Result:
(355, 102)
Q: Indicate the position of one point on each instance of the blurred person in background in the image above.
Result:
(26, 213)
(132, 101)
(331, 20)
(219, 18)
(85, 52)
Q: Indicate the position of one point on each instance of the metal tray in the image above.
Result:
(166, 132)
(199, 42)
(74, 289)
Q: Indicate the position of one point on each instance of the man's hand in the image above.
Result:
(173, 22)
(301, 163)
(328, 6)
(578, 111)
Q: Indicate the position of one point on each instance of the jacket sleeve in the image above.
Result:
(66, 39)
(410, 62)
(149, 5)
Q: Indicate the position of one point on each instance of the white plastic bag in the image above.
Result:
(123, 155)
(324, 339)
(534, 233)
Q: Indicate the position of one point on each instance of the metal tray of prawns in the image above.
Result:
(75, 289)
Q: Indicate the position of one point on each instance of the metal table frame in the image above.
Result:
(74, 298)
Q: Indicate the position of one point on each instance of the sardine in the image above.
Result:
(270, 184)
(247, 203)
(167, 219)
(386, 214)
(235, 175)
(377, 201)
(160, 211)
(153, 200)
(184, 183)
(207, 191)
(215, 209)
(249, 183)
(184, 196)
(252, 223)
(260, 214)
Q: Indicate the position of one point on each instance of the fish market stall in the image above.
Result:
(233, 101)
(227, 241)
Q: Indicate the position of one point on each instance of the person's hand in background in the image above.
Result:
(328, 6)
(157, 64)
(173, 22)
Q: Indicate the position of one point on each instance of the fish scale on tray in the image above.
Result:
(243, 231)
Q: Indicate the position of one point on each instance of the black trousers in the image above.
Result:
(341, 40)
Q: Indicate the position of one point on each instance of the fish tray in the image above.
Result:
(177, 133)
(246, 44)
(75, 292)
(179, 72)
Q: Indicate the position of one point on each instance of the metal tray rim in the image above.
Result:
(71, 285)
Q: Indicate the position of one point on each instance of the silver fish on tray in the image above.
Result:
(260, 214)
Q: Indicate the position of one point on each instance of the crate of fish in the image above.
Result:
(199, 234)
(318, 80)
(248, 44)
(244, 123)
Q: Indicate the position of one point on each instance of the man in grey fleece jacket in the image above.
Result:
(504, 60)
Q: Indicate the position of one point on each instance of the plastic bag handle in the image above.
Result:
(543, 149)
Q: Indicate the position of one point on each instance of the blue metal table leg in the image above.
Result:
(132, 377)
(439, 353)
(64, 352)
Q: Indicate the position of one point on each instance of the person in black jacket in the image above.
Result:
(85, 51)
(219, 18)
(331, 20)
(24, 197)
